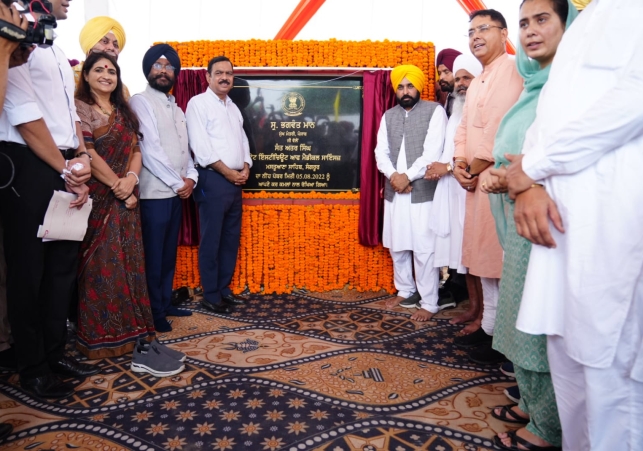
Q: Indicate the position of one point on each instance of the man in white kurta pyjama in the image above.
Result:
(586, 292)
(411, 136)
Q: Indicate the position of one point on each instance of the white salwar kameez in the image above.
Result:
(406, 231)
(586, 294)
(447, 221)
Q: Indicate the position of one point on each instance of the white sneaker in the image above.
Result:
(151, 360)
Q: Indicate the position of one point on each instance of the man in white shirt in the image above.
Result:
(168, 175)
(411, 136)
(584, 284)
(39, 131)
(222, 154)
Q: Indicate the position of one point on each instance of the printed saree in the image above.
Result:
(114, 307)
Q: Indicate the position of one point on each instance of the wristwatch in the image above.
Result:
(84, 153)
(449, 168)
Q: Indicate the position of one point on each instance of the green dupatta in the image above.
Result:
(514, 125)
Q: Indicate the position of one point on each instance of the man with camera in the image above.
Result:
(40, 136)
(13, 25)
(10, 55)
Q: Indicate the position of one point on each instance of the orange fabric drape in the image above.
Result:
(474, 5)
(304, 11)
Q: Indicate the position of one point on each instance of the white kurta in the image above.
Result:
(406, 225)
(586, 145)
(447, 220)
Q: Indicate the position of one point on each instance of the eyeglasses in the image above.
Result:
(167, 67)
(482, 29)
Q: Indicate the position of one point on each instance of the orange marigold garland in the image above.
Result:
(331, 53)
(284, 247)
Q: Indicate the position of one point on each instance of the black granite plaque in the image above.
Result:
(304, 133)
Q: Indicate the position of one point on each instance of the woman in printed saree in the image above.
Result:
(542, 24)
(114, 307)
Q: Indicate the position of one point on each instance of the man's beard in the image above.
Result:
(445, 86)
(458, 103)
(159, 87)
(407, 101)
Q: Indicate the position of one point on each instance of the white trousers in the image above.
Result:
(600, 408)
(490, 290)
(426, 277)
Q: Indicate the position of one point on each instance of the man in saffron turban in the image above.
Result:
(411, 136)
(102, 34)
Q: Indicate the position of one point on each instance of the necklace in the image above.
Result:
(105, 112)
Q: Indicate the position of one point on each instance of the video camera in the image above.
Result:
(40, 33)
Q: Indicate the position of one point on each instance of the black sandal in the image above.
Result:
(515, 441)
(508, 416)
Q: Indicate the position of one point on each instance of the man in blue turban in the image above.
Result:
(167, 177)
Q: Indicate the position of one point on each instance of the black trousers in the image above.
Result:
(219, 203)
(161, 224)
(40, 276)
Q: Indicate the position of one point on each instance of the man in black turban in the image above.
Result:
(161, 51)
(168, 176)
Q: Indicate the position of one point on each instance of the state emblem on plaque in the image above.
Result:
(293, 104)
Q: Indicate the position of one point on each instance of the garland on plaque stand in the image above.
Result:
(331, 53)
(316, 246)
(284, 247)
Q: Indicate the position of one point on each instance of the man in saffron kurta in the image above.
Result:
(489, 97)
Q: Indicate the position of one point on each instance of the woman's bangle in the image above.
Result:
(130, 195)
(134, 174)
(535, 185)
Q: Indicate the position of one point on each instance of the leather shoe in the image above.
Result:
(220, 308)
(162, 325)
(8, 359)
(174, 311)
(48, 386)
(486, 355)
(231, 300)
(5, 430)
(69, 366)
(477, 338)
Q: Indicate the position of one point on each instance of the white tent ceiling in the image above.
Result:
(442, 22)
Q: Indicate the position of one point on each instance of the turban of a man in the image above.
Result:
(161, 50)
(468, 63)
(447, 57)
(410, 72)
(581, 4)
(95, 29)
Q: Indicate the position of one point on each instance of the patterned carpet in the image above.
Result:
(310, 371)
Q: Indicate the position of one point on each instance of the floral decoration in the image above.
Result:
(330, 53)
(284, 247)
